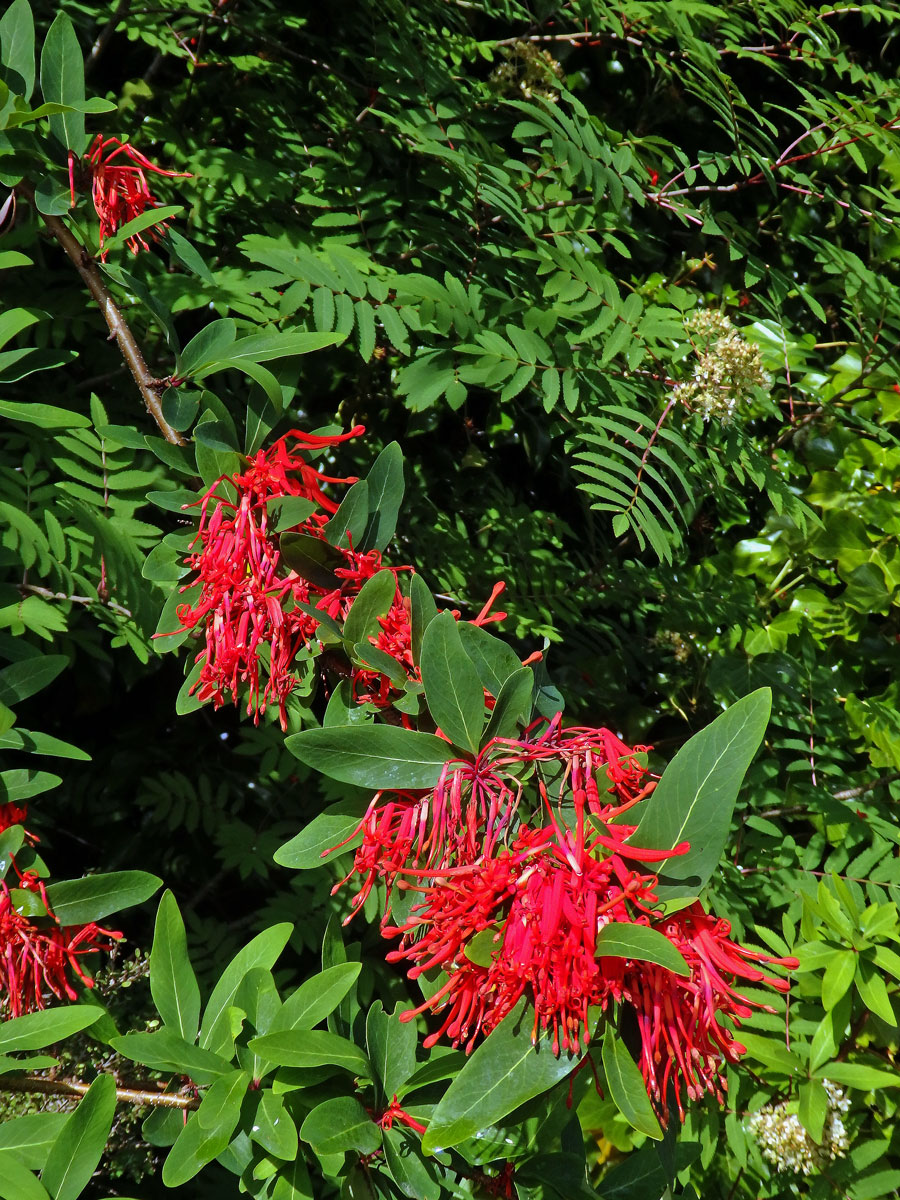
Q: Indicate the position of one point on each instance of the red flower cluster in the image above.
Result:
(253, 608)
(536, 889)
(119, 189)
(37, 952)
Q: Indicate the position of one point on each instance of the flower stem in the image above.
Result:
(76, 1087)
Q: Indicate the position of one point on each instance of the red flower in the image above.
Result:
(535, 880)
(119, 189)
(36, 954)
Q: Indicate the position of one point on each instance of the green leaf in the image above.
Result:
(695, 798)
(137, 225)
(17, 47)
(45, 416)
(312, 558)
(264, 347)
(404, 1161)
(79, 1146)
(36, 1030)
(502, 1073)
(11, 840)
(347, 526)
(626, 1087)
(372, 756)
(173, 984)
(273, 1127)
(22, 679)
(423, 610)
(858, 1075)
(513, 705)
(62, 81)
(211, 343)
(220, 1108)
(164, 1050)
(452, 688)
(837, 978)
(30, 1138)
(642, 943)
(290, 511)
(324, 832)
(374, 599)
(341, 1125)
(310, 1048)
(385, 495)
(193, 1149)
(262, 951)
(76, 901)
(316, 998)
(494, 660)
(17, 1182)
(813, 1108)
(391, 1045)
(381, 661)
(293, 1182)
(873, 991)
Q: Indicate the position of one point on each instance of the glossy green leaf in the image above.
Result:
(45, 416)
(293, 1182)
(75, 901)
(310, 1048)
(62, 81)
(423, 610)
(17, 1182)
(36, 1030)
(626, 1086)
(385, 488)
(695, 798)
(17, 47)
(374, 599)
(641, 943)
(30, 1137)
(193, 1149)
(837, 978)
(173, 984)
(347, 526)
(22, 679)
(403, 1158)
(273, 1127)
(326, 831)
(312, 559)
(813, 1107)
(211, 343)
(79, 1146)
(140, 224)
(452, 688)
(503, 1072)
(372, 756)
(494, 660)
(316, 998)
(164, 1050)
(220, 1107)
(873, 991)
(513, 705)
(341, 1125)
(859, 1075)
(10, 843)
(391, 1046)
(261, 951)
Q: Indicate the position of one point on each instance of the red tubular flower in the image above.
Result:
(119, 188)
(34, 959)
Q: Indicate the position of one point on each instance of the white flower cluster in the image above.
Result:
(727, 369)
(787, 1145)
(528, 70)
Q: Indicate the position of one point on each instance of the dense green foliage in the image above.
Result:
(500, 229)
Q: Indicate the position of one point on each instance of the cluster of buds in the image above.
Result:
(514, 886)
(728, 369)
(37, 952)
(786, 1144)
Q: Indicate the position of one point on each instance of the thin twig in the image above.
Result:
(76, 1087)
(118, 327)
(852, 793)
(45, 593)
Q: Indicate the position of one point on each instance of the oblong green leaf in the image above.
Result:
(640, 942)
(340, 1125)
(326, 831)
(173, 984)
(626, 1087)
(79, 1146)
(310, 1048)
(504, 1071)
(62, 81)
(17, 1182)
(695, 797)
(513, 705)
(374, 599)
(385, 494)
(36, 1030)
(373, 756)
(75, 901)
(17, 46)
(261, 951)
(494, 660)
(452, 688)
(316, 998)
(347, 526)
